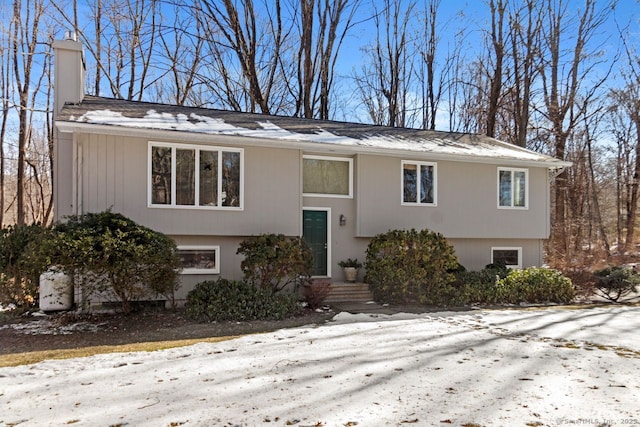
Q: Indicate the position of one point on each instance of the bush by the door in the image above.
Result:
(409, 266)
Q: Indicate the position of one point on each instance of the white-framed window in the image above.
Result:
(195, 176)
(419, 183)
(509, 256)
(513, 188)
(324, 176)
(199, 259)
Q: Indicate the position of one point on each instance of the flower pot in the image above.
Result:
(350, 274)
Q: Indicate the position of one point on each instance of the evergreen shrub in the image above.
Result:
(109, 254)
(535, 285)
(19, 274)
(409, 266)
(496, 284)
(616, 282)
(230, 300)
(274, 261)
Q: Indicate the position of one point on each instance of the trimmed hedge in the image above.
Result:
(532, 285)
(409, 266)
(230, 300)
(535, 285)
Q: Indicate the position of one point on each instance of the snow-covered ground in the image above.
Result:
(496, 368)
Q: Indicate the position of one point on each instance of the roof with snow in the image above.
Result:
(107, 114)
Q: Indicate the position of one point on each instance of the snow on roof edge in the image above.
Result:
(489, 148)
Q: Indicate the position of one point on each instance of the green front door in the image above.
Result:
(314, 233)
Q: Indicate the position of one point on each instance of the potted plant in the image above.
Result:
(350, 267)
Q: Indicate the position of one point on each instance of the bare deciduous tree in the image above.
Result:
(383, 83)
(626, 103)
(569, 81)
(322, 29)
(524, 24)
(24, 44)
(497, 8)
(257, 47)
(433, 81)
(183, 53)
(5, 93)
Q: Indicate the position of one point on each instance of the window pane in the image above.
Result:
(325, 177)
(410, 183)
(519, 188)
(506, 256)
(208, 178)
(185, 177)
(505, 188)
(161, 175)
(230, 179)
(426, 184)
(204, 259)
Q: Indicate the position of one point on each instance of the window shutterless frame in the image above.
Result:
(209, 177)
(513, 188)
(323, 187)
(419, 183)
(507, 255)
(203, 259)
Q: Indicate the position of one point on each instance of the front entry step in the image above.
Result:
(348, 292)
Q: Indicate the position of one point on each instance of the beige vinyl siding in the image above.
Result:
(229, 260)
(115, 172)
(467, 202)
(475, 254)
(63, 176)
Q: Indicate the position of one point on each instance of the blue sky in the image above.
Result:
(474, 17)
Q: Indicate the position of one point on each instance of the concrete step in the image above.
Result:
(348, 292)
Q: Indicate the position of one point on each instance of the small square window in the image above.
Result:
(199, 259)
(510, 257)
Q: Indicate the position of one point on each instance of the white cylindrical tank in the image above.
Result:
(56, 290)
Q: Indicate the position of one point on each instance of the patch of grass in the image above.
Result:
(571, 345)
(28, 358)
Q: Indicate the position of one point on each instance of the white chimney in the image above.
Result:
(69, 71)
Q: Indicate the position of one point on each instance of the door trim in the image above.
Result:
(328, 211)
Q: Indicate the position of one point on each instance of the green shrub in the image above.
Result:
(475, 287)
(410, 266)
(225, 300)
(614, 283)
(273, 261)
(19, 275)
(498, 285)
(534, 285)
(110, 254)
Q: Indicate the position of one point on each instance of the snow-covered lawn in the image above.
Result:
(496, 368)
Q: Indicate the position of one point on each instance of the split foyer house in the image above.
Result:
(209, 179)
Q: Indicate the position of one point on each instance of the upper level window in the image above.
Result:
(195, 176)
(513, 188)
(327, 176)
(418, 183)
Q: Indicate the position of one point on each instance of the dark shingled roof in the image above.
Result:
(307, 130)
